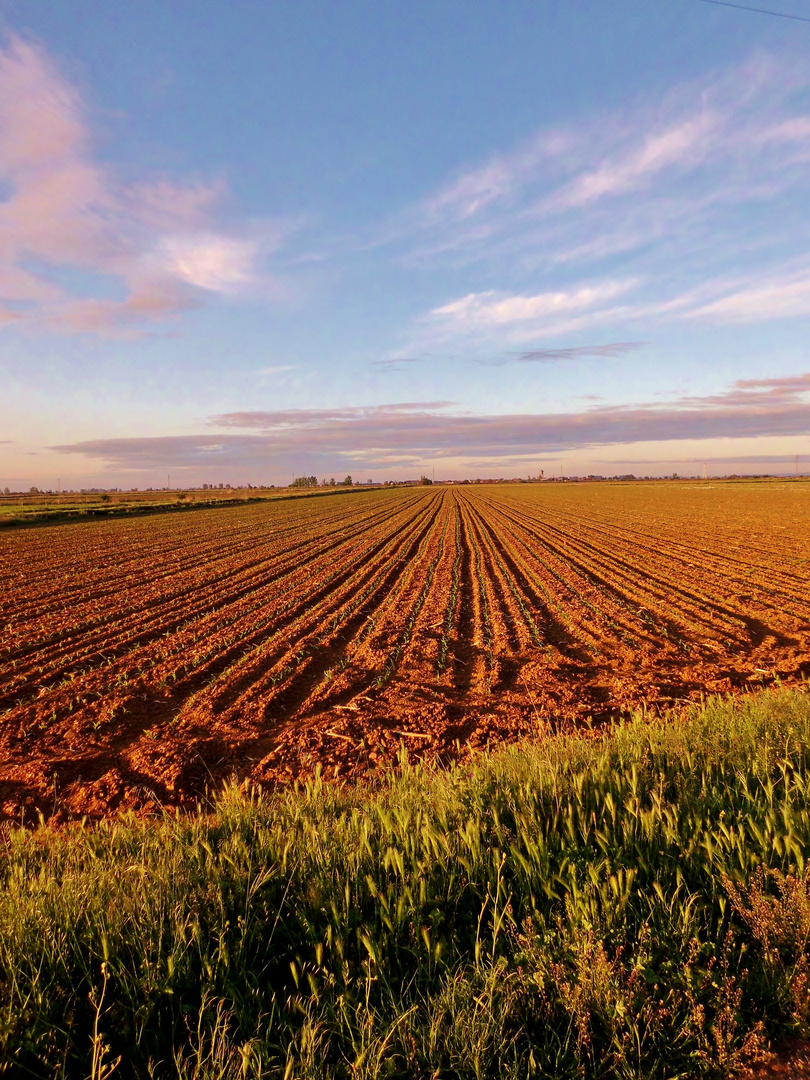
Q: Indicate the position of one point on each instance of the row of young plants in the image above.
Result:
(483, 636)
(207, 606)
(374, 583)
(423, 577)
(691, 576)
(575, 578)
(319, 610)
(632, 905)
(449, 620)
(232, 626)
(533, 571)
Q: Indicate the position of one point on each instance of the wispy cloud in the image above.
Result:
(765, 460)
(412, 432)
(726, 127)
(681, 145)
(756, 296)
(784, 296)
(217, 263)
(489, 309)
(153, 248)
(352, 415)
(689, 206)
(278, 369)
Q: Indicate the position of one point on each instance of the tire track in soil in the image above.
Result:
(403, 591)
(561, 678)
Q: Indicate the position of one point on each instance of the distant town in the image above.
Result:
(313, 482)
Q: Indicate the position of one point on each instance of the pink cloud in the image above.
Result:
(681, 143)
(155, 242)
(491, 309)
(782, 297)
(371, 436)
(144, 304)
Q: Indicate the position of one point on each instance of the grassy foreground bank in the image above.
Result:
(631, 906)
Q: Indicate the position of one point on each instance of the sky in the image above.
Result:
(245, 242)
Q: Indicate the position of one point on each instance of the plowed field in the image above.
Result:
(144, 661)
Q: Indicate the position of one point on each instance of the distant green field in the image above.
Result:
(633, 905)
(32, 508)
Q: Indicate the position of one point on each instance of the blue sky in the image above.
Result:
(241, 242)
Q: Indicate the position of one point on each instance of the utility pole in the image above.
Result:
(169, 481)
(704, 470)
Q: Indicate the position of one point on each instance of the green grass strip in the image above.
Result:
(632, 905)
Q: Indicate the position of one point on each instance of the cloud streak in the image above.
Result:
(553, 356)
(489, 309)
(411, 432)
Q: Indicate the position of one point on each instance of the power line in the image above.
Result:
(758, 11)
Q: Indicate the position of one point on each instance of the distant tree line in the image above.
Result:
(312, 481)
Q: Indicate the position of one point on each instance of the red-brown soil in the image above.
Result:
(790, 1062)
(146, 661)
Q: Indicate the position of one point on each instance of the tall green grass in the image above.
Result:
(634, 905)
